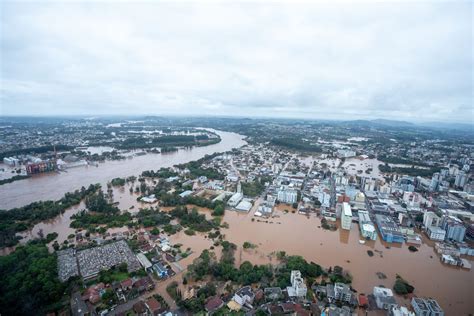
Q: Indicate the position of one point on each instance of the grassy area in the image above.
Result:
(119, 276)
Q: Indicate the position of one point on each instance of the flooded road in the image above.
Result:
(299, 235)
(52, 186)
(296, 234)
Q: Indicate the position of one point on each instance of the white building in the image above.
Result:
(149, 199)
(244, 296)
(325, 199)
(400, 311)
(288, 196)
(412, 199)
(146, 264)
(431, 219)
(346, 216)
(369, 185)
(345, 153)
(235, 199)
(11, 161)
(384, 298)
(385, 189)
(367, 228)
(298, 287)
(435, 233)
(245, 205)
(461, 179)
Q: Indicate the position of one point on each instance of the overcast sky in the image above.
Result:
(400, 61)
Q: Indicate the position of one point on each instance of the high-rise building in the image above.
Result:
(461, 179)
(287, 195)
(298, 287)
(430, 219)
(455, 230)
(346, 216)
(435, 180)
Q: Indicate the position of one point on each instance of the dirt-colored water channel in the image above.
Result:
(52, 186)
(296, 234)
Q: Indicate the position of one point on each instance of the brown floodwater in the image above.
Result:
(52, 186)
(300, 235)
(296, 234)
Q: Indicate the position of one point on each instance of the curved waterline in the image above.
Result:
(52, 186)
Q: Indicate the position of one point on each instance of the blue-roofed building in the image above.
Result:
(160, 270)
(186, 193)
(389, 230)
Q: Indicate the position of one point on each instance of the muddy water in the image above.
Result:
(59, 224)
(299, 235)
(52, 186)
(293, 233)
(353, 165)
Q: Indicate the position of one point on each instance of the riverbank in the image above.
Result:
(301, 235)
(52, 186)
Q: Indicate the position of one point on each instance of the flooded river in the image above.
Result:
(296, 234)
(52, 186)
(299, 235)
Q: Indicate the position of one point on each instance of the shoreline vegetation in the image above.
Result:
(13, 179)
(167, 185)
(23, 218)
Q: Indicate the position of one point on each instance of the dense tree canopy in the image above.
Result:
(29, 281)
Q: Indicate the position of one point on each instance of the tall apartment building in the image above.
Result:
(298, 287)
(287, 195)
(346, 216)
(455, 229)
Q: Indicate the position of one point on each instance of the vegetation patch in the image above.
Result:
(402, 287)
(23, 218)
(13, 179)
(30, 284)
(253, 188)
(249, 245)
(118, 182)
(190, 232)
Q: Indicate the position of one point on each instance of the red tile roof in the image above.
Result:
(126, 283)
(363, 300)
(153, 304)
(214, 303)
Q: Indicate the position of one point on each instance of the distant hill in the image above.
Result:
(379, 122)
(445, 125)
(392, 122)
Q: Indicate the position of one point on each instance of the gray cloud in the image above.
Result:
(338, 61)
